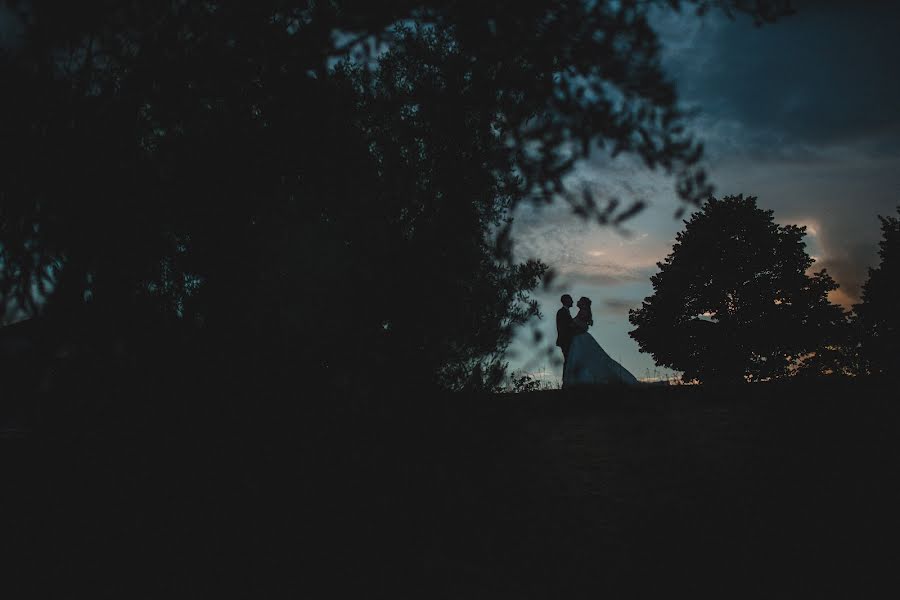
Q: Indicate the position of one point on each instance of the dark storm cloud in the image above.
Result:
(824, 76)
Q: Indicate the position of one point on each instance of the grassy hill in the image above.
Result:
(783, 490)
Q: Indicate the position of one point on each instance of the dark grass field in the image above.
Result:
(769, 490)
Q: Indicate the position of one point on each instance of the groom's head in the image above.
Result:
(566, 300)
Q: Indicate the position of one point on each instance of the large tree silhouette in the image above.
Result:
(253, 176)
(877, 313)
(733, 300)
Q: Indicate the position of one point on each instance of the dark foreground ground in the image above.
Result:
(763, 491)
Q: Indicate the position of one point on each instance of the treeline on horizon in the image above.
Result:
(735, 301)
(317, 192)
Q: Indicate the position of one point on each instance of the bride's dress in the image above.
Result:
(589, 364)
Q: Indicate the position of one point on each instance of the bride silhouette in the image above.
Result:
(588, 363)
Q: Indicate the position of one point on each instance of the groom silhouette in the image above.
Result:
(564, 327)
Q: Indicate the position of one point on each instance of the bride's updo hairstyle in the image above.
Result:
(584, 303)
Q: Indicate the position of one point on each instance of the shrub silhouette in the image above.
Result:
(733, 300)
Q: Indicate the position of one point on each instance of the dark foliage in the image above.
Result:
(734, 300)
(841, 355)
(321, 188)
(878, 310)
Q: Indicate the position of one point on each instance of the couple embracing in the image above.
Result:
(584, 361)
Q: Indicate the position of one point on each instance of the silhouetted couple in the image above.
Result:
(584, 361)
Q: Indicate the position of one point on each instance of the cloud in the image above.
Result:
(600, 274)
(822, 77)
(619, 306)
(583, 253)
(848, 267)
(842, 298)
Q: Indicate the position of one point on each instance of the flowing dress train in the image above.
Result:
(589, 364)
